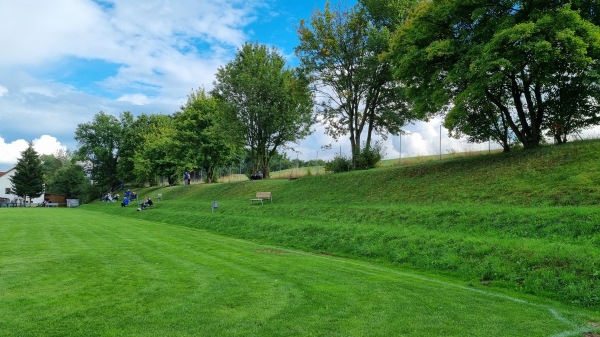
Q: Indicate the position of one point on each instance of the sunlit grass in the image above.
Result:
(79, 273)
(524, 221)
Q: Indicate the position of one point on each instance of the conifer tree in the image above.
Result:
(28, 180)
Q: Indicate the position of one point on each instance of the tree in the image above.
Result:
(63, 175)
(268, 104)
(203, 137)
(99, 142)
(480, 121)
(131, 135)
(570, 107)
(69, 180)
(28, 180)
(513, 55)
(344, 55)
(155, 156)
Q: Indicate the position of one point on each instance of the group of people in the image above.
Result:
(109, 197)
(127, 198)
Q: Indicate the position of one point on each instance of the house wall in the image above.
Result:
(6, 184)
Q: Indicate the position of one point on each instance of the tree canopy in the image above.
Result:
(63, 175)
(344, 54)
(28, 180)
(504, 63)
(267, 103)
(99, 142)
(203, 137)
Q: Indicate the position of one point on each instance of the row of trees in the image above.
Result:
(502, 70)
(257, 106)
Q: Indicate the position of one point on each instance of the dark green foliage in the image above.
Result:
(203, 138)
(63, 175)
(344, 54)
(268, 104)
(339, 163)
(99, 142)
(131, 136)
(369, 157)
(527, 66)
(69, 180)
(28, 180)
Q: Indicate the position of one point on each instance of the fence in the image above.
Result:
(427, 143)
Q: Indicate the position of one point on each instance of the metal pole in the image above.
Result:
(440, 141)
(400, 143)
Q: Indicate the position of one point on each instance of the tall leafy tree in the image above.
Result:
(130, 138)
(480, 121)
(99, 142)
(69, 180)
(155, 156)
(204, 138)
(63, 175)
(270, 105)
(514, 55)
(344, 54)
(28, 180)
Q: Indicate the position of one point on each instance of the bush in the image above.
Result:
(339, 163)
(368, 158)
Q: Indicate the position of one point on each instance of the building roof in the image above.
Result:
(3, 173)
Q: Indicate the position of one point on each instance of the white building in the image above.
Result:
(6, 193)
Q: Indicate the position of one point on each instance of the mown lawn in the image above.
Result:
(73, 272)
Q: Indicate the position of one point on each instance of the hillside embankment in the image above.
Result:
(526, 221)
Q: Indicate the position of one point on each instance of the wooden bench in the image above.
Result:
(262, 196)
(52, 204)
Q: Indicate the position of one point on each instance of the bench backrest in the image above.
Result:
(263, 195)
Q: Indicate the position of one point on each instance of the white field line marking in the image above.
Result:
(578, 329)
(554, 312)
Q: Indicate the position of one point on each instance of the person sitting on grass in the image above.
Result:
(125, 202)
(147, 203)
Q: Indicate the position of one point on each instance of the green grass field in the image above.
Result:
(72, 272)
(489, 245)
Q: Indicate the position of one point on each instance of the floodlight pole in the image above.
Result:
(440, 141)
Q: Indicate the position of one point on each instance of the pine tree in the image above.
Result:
(28, 180)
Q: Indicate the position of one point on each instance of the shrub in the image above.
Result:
(368, 158)
(340, 163)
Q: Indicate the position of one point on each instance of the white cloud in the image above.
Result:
(158, 51)
(48, 145)
(135, 99)
(38, 90)
(11, 152)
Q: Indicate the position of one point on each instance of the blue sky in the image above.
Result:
(63, 61)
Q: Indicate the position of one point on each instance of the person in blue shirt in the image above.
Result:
(125, 202)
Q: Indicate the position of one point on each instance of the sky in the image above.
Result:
(63, 61)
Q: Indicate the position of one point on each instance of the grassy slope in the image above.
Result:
(526, 220)
(66, 272)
